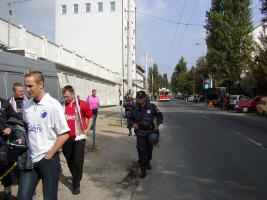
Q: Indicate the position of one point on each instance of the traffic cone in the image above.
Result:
(210, 104)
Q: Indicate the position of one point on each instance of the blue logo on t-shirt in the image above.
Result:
(43, 114)
(34, 128)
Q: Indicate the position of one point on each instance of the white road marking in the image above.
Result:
(247, 138)
(210, 120)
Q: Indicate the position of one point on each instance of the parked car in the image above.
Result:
(191, 98)
(247, 104)
(261, 107)
(235, 99)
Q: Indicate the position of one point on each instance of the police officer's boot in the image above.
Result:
(143, 173)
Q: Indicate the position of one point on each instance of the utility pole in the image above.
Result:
(152, 81)
(9, 21)
(10, 18)
(129, 55)
(146, 84)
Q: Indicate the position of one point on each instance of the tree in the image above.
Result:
(165, 82)
(200, 72)
(260, 60)
(264, 10)
(228, 39)
(154, 78)
(178, 76)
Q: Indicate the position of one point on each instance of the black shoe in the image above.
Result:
(7, 196)
(76, 191)
(148, 166)
(143, 173)
(130, 133)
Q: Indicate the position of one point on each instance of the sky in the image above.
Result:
(157, 32)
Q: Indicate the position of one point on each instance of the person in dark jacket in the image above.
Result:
(129, 105)
(145, 119)
(6, 112)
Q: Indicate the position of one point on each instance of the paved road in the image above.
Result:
(206, 154)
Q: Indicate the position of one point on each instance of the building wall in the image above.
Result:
(256, 33)
(101, 36)
(108, 93)
(71, 67)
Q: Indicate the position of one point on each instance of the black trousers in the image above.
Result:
(144, 149)
(127, 113)
(74, 154)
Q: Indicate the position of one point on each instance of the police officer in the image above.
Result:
(129, 105)
(145, 119)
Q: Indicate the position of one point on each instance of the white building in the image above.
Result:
(72, 68)
(98, 29)
(256, 33)
(140, 78)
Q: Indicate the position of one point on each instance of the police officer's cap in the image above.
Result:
(140, 94)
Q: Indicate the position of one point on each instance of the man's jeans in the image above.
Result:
(48, 171)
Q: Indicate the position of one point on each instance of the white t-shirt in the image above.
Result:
(45, 121)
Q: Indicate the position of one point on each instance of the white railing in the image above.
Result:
(20, 38)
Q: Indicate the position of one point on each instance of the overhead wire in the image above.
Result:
(176, 30)
(180, 42)
(167, 20)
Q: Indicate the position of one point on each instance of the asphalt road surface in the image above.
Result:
(207, 154)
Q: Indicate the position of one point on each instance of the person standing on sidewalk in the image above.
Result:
(227, 101)
(129, 105)
(93, 102)
(79, 118)
(145, 119)
(18, 99)
(47, 131)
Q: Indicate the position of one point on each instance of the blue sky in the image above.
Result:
(153, 35)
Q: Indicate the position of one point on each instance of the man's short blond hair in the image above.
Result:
(37, 74)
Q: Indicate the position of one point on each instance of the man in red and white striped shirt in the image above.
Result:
(79, 118)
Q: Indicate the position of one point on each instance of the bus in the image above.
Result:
(164, 94)
(214, 95)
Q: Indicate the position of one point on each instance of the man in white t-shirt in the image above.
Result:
(47, 132)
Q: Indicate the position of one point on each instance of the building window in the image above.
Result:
(100, 6)
(63, 9)
(75, 8)
(112, 6)
(87, 7)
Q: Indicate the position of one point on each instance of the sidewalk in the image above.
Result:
(106, 167)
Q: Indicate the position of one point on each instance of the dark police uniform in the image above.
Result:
(146, 117)
(129, 105)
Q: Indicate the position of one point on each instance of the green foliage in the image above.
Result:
(228, 39)
(259, 68)
(200, 72)
(264, 10)
(156, 80)
(178, 80)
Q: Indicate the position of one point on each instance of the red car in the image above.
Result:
(247, 105)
